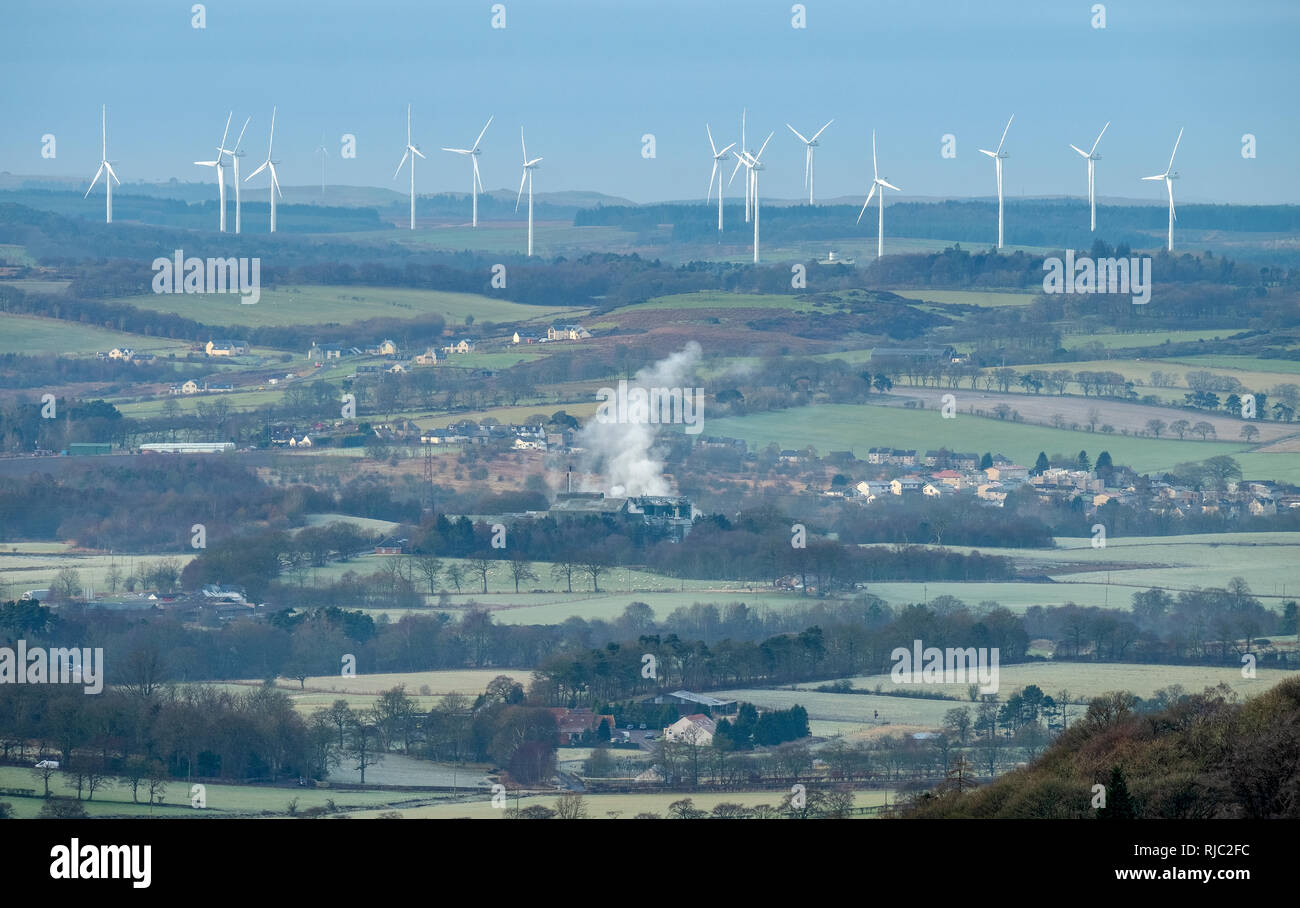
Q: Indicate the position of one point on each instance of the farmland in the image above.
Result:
(326, 305)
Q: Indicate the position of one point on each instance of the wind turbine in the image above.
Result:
(529, 167)
(221, 170)
(809, 145)
(998, 157)
(1169, 176)
(324, 154)
(882, 185)
(268, 164)
(753, 165)
(476, 184)
(410, 152)
(1092, 157)
(718, 158)
(235, 155)
(104, 168)
(744, 150)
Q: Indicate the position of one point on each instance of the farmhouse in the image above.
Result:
(695, 729)
(428, 358)
(567, 332)
(226, 348)
(391, 546)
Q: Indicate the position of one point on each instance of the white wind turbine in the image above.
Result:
(476, 184)
(1169, 176)
(220, 164)
(809, 145)
(998, 157)
(877, 184)
(718, 158)
(753, 165)
(268, 164)
(235, 155)
(529, 167)
(1092, 158)
(410, 152)
(749, 188)
(324, 154)
(105, 168)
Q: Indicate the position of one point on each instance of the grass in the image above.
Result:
(989, 298)
(1086, 680)
(857, 427)
(29, 569)
(32, 334)
(325, 304)
(1139, 370)
(627, 806)
(221, 798)
(1142, 339)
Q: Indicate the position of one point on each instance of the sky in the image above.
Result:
(588, 79)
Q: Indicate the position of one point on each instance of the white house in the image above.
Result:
(694, 729)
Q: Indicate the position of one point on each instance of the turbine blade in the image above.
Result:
(458, 150)
(1080, 150)
(241, 135)
(110, 172)
(713, 176)
(796, 132)
(1169, 184)
(103, 125)
(406, 154)
(867, 202)
(206, 163)
(1159, 176)
(890, 185)
(275, 180)
(1171, 157)
(711, 144)
(822, 130)
(874, 171)
(417, 151)
(720, 154)
(257, 171)
(991, 154)
(522, 179)
(1004, 132)
(1099, 135)
(226, 133)
(522, 146)
(739, 161)
(94, 181)
(271, 141)
(764, 145)
(533, 161)
(485, 128)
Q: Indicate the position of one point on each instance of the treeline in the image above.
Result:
(1032, 222)
(1207, 756)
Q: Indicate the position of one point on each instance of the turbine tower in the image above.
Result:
(748, 184)
(529, 167)
(324, 154)
(268, 164)
(718, 158)
(881, 184)
(1092, 157)
(753, 165)
(809, 145)
(410, 152)
(1169, 176)
(475, 184)
(998, 157)
(235, 155)
(220, 164)
(105, 168)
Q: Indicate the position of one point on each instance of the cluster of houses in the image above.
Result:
(960, 475)
(127, 355)
(208, 387)
(389, 349)
(520, 437)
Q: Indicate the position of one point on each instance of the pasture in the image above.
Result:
(30, 334)
(311, 304)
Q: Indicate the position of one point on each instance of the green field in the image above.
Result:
(990, 298)
(1274, 372)
(310, 304)
(32, 335)
(221, 798)
(1144, 339)
(626, 806)
(858, 427)
(1087, 680)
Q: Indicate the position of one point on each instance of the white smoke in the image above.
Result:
(623, 453)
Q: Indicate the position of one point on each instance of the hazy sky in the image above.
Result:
(588, 78)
